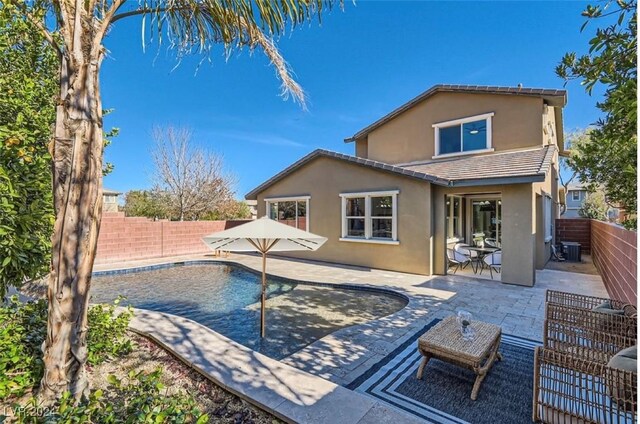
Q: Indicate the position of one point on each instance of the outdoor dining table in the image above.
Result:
(482, 252)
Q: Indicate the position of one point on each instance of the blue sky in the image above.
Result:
(358, 65)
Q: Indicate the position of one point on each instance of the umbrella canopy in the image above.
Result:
(263, 235)
(263, 232)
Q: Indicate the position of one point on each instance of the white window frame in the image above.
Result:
(368, 219)
(296, 199)
(573, 195)
(548, 217)
(461, 219)
(489, 148)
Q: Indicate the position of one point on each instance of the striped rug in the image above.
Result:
(443, 395)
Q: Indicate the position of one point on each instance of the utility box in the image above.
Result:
(572, 251)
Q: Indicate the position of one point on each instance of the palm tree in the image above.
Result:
(76, 30)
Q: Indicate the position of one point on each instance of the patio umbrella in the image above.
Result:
(263, 235)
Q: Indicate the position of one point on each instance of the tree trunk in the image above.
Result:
(77, 182)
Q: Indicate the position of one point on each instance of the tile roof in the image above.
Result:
(497, 168)
(385, 167)
(554, 97)
(482, 169)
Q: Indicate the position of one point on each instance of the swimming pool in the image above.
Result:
(225, 297)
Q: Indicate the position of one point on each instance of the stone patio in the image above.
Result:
(344, 355)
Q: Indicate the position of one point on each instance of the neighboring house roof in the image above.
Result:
(552, 96)
(515, 166)
(521, 166)
(109, 192)
(576, 187)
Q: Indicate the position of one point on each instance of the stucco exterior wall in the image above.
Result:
(324, 179)
(550, 187)
(518, 229)
(409, 137)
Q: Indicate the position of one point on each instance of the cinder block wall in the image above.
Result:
(575, 229)
(133, 238)
(614, 252)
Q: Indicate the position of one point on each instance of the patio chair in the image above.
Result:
(576, 332)
(571, 389)
(592, 320)
(471, 254)
(457, 260)
(491, 242)
(493, 261)
(602, 304)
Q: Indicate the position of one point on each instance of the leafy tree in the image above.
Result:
(232, 209)
(608, 158)
(594, 206)
(148, 203)
(567, 174)
(28, 82)
(76, 30)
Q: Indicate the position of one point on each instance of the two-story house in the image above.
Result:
(576, 194)
(456, 163)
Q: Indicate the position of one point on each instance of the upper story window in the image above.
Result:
(575, 195)
(463, 136)
(292, 211)
(370, 217)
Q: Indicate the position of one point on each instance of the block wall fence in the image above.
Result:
(132, 238)
(614, 251)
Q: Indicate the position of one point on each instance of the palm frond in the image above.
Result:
(197, 25)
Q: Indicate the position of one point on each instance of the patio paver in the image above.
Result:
(344, 355)
(289, 393)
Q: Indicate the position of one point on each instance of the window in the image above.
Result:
(370, 217)
(548, 218)
(463, 136)
(575, 195)
(454, 218)
(292, 211)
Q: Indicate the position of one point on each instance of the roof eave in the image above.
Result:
(524, 179)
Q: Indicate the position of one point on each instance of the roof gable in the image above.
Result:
(553, 97)
(380, 166)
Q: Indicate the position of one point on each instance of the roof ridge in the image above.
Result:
(476, 89)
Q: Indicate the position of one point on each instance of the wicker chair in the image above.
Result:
(569, 389)
(590, 321)
(572, 381)
(587, 302)
(582, 338)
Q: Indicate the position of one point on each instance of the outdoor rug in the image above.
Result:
(443, 394)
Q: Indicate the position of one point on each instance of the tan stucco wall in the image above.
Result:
(362, 148)
(518, 230)
(549, 186)
(409, 137)
(324, 179)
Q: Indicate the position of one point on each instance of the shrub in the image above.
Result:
(23, 328)
(140, 398)
(107, 337)
(22, 331)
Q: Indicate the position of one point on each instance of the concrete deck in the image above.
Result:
(290, 388)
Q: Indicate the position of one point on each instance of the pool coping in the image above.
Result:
(288, 393)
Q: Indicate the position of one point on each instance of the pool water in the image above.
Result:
(226, 298)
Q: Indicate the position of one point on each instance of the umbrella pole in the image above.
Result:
(263, 300)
